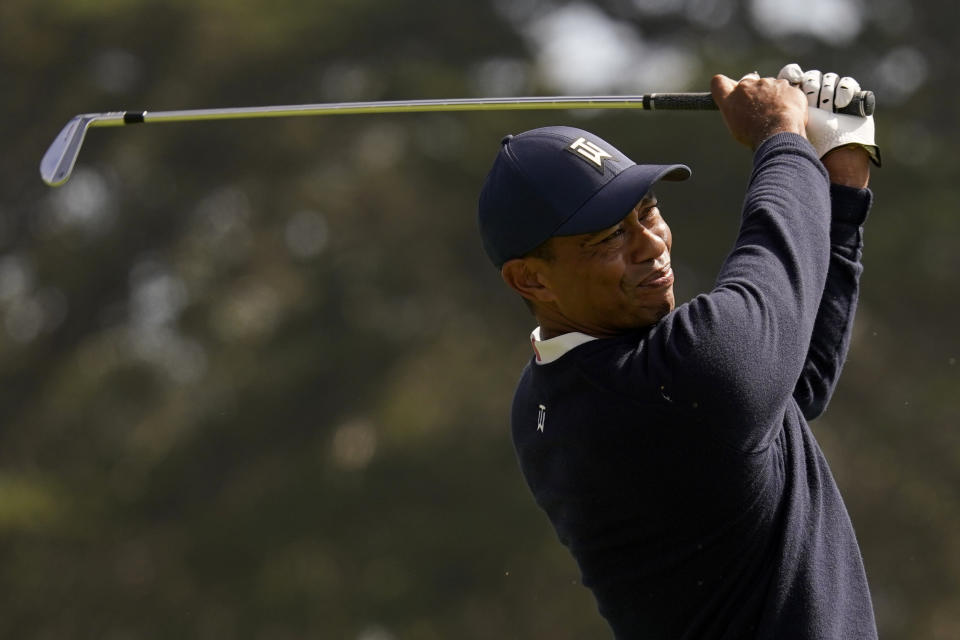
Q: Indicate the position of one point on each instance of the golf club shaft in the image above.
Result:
(58, 161)
(671, 101)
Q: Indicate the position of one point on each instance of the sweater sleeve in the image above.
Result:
(735, 354)
(831, 332)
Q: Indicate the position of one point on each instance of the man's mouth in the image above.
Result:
(662, 277)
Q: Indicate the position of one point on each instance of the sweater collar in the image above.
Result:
(548, 351)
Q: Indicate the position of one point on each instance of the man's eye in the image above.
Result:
(613, 236)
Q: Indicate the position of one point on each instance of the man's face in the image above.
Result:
(611, 281)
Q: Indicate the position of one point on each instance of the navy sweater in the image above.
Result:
(676, 462)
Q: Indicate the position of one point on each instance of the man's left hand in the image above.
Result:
(827, 130)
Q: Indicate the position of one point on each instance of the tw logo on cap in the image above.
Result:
(590, 152)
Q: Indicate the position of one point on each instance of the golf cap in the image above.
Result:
(559, 181)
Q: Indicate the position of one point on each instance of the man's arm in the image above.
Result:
(733, 356)
(849, 171)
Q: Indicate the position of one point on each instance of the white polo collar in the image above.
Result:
(548, 351)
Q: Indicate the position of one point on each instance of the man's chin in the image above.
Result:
(670, 300)
(652, 315)
(668, 305)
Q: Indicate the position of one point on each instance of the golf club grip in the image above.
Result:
(679, 102)
(862, 104)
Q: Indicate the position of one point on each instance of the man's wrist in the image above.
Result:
(783, 126)
(848, 166)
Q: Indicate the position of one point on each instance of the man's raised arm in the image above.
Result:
(846, 147)
(849, 171)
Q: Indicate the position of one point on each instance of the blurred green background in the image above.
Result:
(255, 376)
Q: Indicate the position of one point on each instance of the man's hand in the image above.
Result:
(826, 129)
(756, 108)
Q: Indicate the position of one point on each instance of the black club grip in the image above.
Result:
(863, 103)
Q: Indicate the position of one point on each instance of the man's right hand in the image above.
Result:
(756, 108)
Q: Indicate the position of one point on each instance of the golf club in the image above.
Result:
(58, 161)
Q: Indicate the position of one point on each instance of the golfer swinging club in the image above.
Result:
(669, 446)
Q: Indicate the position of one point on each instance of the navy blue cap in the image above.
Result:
(559, 181)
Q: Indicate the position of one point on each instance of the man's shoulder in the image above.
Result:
(605, 365)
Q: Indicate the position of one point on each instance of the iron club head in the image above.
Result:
(58, 161)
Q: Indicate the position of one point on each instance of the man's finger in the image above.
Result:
(792, 73)
(721, 86)
(810, 85)
(828, 85)
(846, 89)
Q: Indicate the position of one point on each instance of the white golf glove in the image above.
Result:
(827, 130)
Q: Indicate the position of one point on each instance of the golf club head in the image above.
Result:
(58, 161)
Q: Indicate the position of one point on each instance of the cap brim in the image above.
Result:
(618, 197)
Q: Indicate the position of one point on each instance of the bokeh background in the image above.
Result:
(255, 376)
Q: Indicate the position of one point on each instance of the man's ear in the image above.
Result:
(525, 276)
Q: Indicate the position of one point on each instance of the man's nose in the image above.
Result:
(647, 245)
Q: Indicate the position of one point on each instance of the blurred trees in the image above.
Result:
(256, 375)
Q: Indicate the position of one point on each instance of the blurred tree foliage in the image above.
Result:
(256, 375)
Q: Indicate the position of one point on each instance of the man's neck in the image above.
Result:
(553, 323)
